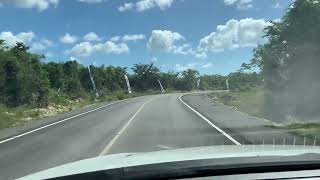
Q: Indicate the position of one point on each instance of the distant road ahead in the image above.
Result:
(141, 124)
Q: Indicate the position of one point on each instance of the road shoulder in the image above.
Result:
(244, 128)
(38, 123)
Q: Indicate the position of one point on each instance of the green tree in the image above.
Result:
(189, 79)
(170, 79)
(289, 62)
(213, 82)
(72, 85)
(11, 88)
(145, 77)
(23, 79)
(55, 74)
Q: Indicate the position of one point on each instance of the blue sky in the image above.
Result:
(212, 36)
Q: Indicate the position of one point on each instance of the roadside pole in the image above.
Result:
(161, 87)
(128, 84)
(198, 83)
(93, 84)
(227, 83)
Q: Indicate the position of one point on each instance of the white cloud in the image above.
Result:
(39, 4)
(115, 38)
(91, 36)
(181, 67)
(187, 49)
(164, 40)
(126, 7)
(68, 39)
(72, 58)
(27, 38)
(86, 49)
(47, 42)
(81, 50)
(143, 5)
(91, 1)
(184, 49)
(41, 45)
(207, 65)
(235, 34)
(11, 39)
(193, 65)
(112, 48)
(241, 4)
(133, 37)
(128, 37)
(201, 55)
(168, 41)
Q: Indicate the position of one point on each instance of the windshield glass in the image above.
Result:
(87, 78)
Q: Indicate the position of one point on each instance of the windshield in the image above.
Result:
(87, 78)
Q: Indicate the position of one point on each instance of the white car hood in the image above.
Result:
(114, 161)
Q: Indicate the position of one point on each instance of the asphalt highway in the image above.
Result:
(141, 124)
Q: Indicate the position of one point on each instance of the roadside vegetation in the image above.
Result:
(31, 89)
(289, 63)
(250, 101)
(253, 101)
(15, 116)
(289, 68)
(309, 130)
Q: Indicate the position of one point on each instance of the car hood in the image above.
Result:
(123, 160)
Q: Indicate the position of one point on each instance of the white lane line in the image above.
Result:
(115, 138)
(211, 124)
(58, 122)
(164, 147)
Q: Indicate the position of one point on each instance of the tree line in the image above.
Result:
(290, 63)
(26, 80)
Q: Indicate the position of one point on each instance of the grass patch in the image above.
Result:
(309, 130)
(250, 101)
(10, 116)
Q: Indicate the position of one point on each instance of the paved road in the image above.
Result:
(145, 124)
(166, 123)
